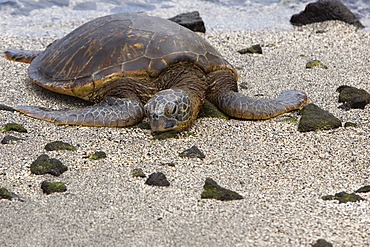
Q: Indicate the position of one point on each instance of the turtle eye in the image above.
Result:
(171, 109)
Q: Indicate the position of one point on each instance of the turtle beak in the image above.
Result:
(160, 123)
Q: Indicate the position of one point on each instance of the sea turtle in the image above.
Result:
(132, 65)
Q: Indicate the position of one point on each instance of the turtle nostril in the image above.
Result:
(155, 116)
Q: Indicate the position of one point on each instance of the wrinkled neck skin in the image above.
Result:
(220, 83)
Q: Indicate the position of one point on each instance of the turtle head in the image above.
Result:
(169, 109)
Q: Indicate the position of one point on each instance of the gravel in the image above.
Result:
(281, 173)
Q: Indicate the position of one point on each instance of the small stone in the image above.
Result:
(211, 190)
(6, 194)
(315, 63)
(192, 152)
(191, 20)
(157, 179)
(363, 189)
(352, 97)
(254, 49)
(322, 243)
(8, 139)
(52, 187)
(138, 172)
(343, 197)
(165, 135)
(14, 127)
(44, 165)
(314, 118)
(97, 155)
(350, 124)
(59, 145)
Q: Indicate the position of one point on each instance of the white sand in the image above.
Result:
(281, 173)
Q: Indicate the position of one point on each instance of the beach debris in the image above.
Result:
(190, 20)
(96, 155)
(211, 190)
(8, 139)
(315, 63)
(192, 152)
(13, 127)
(59, 145)
(138, 172)
(46, 165)
(352, 97)
(49, 187)
(314, 118)
(325, 10)
(157, 179)
(254, 49)
(363, 189)
(322, 243)
(344, 197)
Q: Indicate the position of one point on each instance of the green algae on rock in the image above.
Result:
(315, 63)
(49, 187)
(254, 49)
(211, 190)
(363, 189)
(44, 165)
(13, 127)
(8, 139)
(157, 179)
(95, 156)
(165, 135)
(59, 145)
(5, 194)
(138, 172)
(192, 152)
(322, 243)
(343, 197)
(350, 124)
(314, 118)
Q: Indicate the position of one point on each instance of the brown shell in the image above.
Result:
(120, 45)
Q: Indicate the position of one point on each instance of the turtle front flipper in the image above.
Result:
(110, 112)
(240, 106)
(24, 56)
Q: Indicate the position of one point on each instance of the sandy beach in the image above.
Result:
(281, 173)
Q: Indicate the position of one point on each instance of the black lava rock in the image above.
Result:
(322, 243)
(59, 145)
(314, 118)
(52, 187)
(343, 197)
(192, 152)
(324, 10)
(44, 165)
(211, 190)
(352, 97)
(157, 179)
(191, 20)
(8, 139)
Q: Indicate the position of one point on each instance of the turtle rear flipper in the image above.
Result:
(24, 56)
(110, 112)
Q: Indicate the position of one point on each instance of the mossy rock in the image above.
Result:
(13, 127)
(138, 172)
(165, 135)
(157, 179)
(350, 124)
(315, 63)
(97, 155)
(211, 190)
(49, 187)
(254, 49)
(59, 145)
(192, 152)
(344, 197)
(363, 189)
(314, 118)
(5, 194)
(8, 139)
(44, 165)
(210, 110)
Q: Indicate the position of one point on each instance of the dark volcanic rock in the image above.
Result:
(211, 190)
(52, 187)
(254, 49)
(14, 127)
(352, 97)
(59, 145)
(8, 139)
(344, 197)
(43, 165)
(138, 172)
(322, 243)
(157, 179)
(191, 20)
(314, 118)
(192, 152)
(6, 194)
(363, 189)
(324, 10)
(97, 155)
